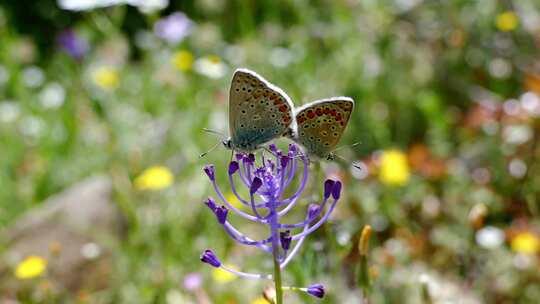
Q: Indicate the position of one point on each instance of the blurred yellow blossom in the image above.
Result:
(154, 178)
(106, 77)
(183, 60)
(222, 276)
(507, 21)
(31, 267)
(525, 242)
(260, 300)
(231, 198)
(394, 168)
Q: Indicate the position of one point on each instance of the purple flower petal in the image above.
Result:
(73, 44)
(192, 281)
(173, 28)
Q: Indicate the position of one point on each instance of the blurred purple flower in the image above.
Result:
(192, 281)
(173, 28)
(73, 44)
(267, 184)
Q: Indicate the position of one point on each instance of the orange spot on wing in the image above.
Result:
(282, 108)
(326, 111)
(333, 112)
(310, 114)
(319, 111)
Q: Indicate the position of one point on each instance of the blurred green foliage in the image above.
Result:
(452, 85)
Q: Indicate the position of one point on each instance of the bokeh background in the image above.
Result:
(102, 106)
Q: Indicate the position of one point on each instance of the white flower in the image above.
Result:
(517, 134)
(490, 237)
(33, 76)
(210, 66)
(52, 96)
(9, 111)
(146, 6)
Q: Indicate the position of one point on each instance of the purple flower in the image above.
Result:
(267, 186)
(173, 28)
(210, 258)
(316, 290)
(73, 44)
(192, 281)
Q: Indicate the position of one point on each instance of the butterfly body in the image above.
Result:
(320, 125)
(258, 112)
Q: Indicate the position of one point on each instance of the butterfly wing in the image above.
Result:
(321, 124)
(258, 111)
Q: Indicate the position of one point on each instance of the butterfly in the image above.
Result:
(258, 112)
(320, 125)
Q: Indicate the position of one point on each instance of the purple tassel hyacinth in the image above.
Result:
(267, 184)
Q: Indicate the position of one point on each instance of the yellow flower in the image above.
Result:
(31, 267)
(154, 178)
(222, 276)
(394, 168)
(183, 60)
(231, 198)
(106, 77)
(526, 242)
(259, 300)
(507, 21)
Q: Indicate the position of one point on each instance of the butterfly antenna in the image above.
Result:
(347, 146)
(210, 150)
(214, 132)
(345, 161)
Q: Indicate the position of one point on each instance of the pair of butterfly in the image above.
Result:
(260, 112)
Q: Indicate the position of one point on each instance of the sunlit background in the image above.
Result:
(102, 107)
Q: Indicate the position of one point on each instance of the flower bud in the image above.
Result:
(209, 170)
(233, 167)
(221, 214)
(211, 204)
(255, 185)
(328, 186)
(285, 238)
(210, 258)
(336, 190)
(316, 290)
